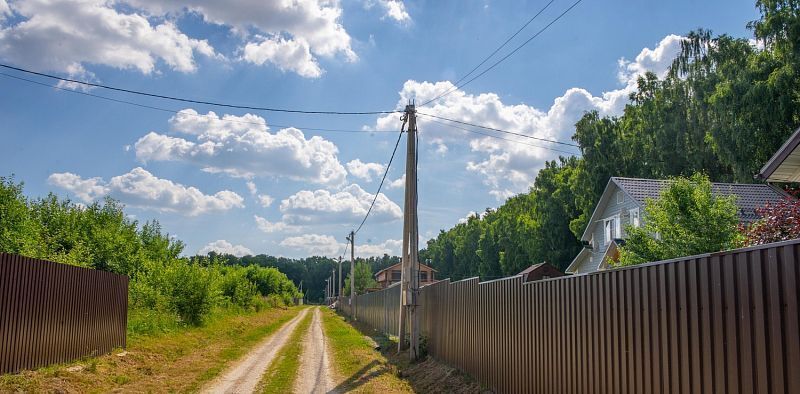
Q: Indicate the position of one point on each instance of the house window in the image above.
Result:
(423, 276)
(634, 215)
(620, 197)
(396, 276)
(611, 229)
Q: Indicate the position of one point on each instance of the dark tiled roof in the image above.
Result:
(531, 269)
(398, 265)
(749, 196)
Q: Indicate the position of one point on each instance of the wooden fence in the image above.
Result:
(715, 323)
(52, 312)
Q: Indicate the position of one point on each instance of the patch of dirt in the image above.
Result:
(244, 375)
(426, 376)
(431, 376)
(314, 374)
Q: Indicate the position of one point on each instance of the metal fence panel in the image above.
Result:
(723, 322)
(51, 312)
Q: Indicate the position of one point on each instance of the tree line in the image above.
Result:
(165, 290)
(313, 271)
(725, 106)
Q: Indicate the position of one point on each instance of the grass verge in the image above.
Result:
(358, 367)
(179, 360)
(282, 373)
(425, 376)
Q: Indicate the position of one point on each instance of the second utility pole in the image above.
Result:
(352, 239)
(409, 282)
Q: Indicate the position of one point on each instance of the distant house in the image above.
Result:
(391, 275)
(540, 271)
(623, 201)
(784, 166)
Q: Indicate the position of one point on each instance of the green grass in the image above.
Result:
(179, 359)
(360, 368)
(282, 373)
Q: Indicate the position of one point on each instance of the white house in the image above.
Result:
(623, 202)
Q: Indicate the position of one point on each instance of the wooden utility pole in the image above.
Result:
(339, 290)
(409, 282)
(352, 239)
(333, 285)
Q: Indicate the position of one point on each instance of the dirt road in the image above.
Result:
(243, 376)
(314, 374)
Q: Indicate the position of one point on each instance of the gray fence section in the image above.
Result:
(716, 323)
(52, 312)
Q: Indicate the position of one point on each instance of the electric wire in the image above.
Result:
(501, 138)
(178, 112)
(502, 59)
(194, 101)
(385, 173)
(494, 52)
(501, 130)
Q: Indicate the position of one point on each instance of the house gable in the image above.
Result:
(581, 263)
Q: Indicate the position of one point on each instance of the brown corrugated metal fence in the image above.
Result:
(52, 312)
(716, 323)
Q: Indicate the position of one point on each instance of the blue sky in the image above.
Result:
(254, 182)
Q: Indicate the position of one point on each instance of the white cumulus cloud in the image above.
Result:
(138, 34)
(364, 171)
(222, 246)
(265, 200)
(63, 35)
(314, 244)
(287, 55)
(509, 167)
(287, 34)
(398, 183)
(243, 146)
(139, 188)
(393, 9)
(273, 227)
(391, 247)
(346, 206)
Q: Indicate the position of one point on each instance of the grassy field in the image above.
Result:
(357, 365)
(282, 373)
(179, 360)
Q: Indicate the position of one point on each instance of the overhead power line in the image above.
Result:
(493, 52)
(385, 173)
(193, 101)
(501, 138)
(177, 112)
(501, 130)
(502, 59)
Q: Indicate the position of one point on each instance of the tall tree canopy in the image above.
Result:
(723, 109)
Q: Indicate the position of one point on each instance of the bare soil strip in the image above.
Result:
(314, 373)
(243, 376)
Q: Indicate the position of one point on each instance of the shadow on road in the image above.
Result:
(361, 377)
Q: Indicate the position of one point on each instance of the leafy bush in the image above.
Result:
(165, 290)
(192, 290)
(238, 289)
(779, 222)
(687, 219)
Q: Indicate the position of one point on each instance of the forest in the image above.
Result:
(726, 105)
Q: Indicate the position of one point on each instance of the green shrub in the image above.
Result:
(237, 289)
(192, 290)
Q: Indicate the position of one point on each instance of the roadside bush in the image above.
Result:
(165, 290)
(192, 290)
(237, 289)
